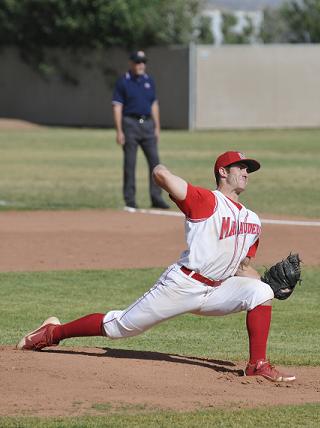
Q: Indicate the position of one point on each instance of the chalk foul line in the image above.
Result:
(263, 220)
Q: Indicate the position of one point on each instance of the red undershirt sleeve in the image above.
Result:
(199, 203)
(253, 249)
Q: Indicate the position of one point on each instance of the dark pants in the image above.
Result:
(139, 134)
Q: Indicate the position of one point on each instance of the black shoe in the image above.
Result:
(160, 204)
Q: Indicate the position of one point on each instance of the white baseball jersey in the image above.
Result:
(220, 233)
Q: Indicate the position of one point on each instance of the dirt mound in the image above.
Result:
(68, 381)
(8, 124)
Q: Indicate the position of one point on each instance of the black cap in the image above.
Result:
(138, 57)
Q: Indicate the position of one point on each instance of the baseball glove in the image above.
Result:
(284, 276)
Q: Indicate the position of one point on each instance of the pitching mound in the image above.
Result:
(72, 382)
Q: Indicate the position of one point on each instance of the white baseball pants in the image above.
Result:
(175, 293)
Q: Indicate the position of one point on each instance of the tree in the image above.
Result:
(33, 26)
(100, 23)
(230, 36)
(303, 18)
(296, 21)
(274, 28)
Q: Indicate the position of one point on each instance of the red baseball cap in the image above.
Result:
(228, 158)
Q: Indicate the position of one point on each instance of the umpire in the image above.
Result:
(137, 121)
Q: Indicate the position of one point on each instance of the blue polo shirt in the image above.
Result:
(136, 93)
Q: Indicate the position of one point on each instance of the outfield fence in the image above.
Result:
(199, 87)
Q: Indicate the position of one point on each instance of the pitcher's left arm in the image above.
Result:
(245, 269)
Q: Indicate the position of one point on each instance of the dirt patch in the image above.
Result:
(41, 241)
(71, 382)
(94, 381)
(12, 124)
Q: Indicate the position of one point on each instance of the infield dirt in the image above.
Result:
(76, 381)
(105, 239)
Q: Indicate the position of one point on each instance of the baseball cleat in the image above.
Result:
(131, 207)
(41, 337)
(265, 369)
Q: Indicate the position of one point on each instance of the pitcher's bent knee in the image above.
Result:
(115, 329)
(260, 293)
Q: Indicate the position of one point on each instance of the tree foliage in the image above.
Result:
(230, 36)
(296, 21)
(33, 26)
(100, 23)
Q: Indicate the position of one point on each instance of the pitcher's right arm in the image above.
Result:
(174, 185)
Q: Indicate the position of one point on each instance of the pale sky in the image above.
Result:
(244, 4)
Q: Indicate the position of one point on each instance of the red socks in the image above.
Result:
(90, 325)
(258, 325)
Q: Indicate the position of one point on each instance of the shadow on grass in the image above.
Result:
(216, 365)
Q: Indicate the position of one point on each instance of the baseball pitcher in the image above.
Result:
(213, 276)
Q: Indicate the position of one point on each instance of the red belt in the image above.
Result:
(200, 278)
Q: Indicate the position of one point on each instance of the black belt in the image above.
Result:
(139, 116)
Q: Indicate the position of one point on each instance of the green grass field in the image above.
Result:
(79, 168)
(280, 417)
(28, 298)
(54, 168)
